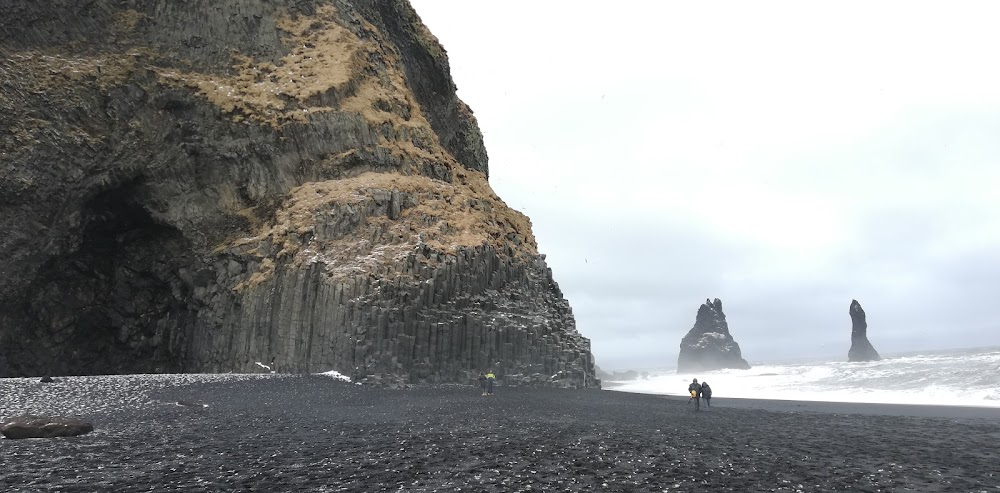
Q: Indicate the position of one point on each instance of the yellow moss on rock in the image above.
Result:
(65, 74)
(324, 59)
(443, 216)
(127, 20)
(321, 58)
(333, 63)
(263, 273)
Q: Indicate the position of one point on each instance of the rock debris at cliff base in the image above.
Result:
(315, 433)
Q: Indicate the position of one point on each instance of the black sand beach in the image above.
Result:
(312, 433)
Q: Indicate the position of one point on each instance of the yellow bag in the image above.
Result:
(694, 393)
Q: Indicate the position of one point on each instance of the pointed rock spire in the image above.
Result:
(861, 348)
(708, 345)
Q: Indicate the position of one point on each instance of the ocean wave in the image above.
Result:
(960, 378)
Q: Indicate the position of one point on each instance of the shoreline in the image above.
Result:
(947, 411)
(959, 411)
(849, 408)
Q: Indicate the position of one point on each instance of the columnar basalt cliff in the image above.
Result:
(204, 185)
(709, 345)
(861, 348)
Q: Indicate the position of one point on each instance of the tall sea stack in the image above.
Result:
(861, 348)
(201, 186)
(708, 345)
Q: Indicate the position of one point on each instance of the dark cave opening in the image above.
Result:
(117, 303)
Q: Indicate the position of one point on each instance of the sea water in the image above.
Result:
(964, 377)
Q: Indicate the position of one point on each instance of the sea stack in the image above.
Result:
(708, 345)
(200, 186)
(861, 348)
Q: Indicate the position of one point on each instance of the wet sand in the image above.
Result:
(922, 411)
(312, 433)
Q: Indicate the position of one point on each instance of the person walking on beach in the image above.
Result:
(695, 390)
(482, 382)
(490, 377)
(706, 393)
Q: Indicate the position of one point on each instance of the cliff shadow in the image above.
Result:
(116, 303)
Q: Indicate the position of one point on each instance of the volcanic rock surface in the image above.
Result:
(30, 426)
(284, 432)
(708, 345)
(861, 347)
(204, 186)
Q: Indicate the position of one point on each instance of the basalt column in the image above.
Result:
(204, 186)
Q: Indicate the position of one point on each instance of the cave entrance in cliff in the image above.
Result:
(116, 299)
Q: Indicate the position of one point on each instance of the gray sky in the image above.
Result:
(782, 156)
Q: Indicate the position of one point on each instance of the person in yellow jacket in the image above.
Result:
(490, 378)
(695, 390)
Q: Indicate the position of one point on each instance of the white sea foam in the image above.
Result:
(336, 375)
(958, 378)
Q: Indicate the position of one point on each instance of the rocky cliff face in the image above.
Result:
(861, 348)
(708, 345)
(202, 186)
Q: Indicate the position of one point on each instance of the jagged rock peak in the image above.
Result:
(709, 345)
(200, 186)
(861, 348)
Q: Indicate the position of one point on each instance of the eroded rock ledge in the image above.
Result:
(202, 186)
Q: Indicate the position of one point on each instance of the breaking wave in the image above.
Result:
(967, 377)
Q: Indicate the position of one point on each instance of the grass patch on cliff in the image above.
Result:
(322, 58)
(328, 68)
(335, 62)
(128, 20)
(38, 72)
(345, 224)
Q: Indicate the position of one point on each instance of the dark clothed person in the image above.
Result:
(482, 382)
(706, 393)
(695, 389)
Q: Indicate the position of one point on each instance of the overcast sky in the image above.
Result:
(785, 157)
